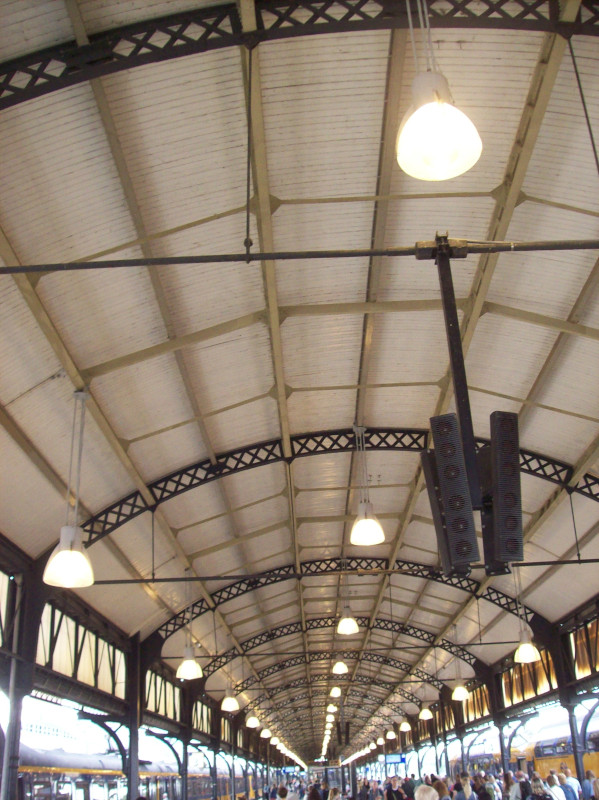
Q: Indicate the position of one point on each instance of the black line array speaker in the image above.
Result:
(447, 486)
(506, 491)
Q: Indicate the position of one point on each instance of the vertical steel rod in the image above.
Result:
(458, 369)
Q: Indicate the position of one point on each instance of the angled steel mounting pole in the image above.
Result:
(458, 369)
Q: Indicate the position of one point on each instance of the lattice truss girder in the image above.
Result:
(207, 29)
(334, 441)
(337, 565)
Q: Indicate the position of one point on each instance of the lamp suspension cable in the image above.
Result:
(69, 565)
(366, 530)
(526, 652)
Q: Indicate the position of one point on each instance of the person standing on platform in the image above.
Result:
(376, 793)
(553, 787)
(395, 792)
(567, 789)
(587, 785)
(572, 781)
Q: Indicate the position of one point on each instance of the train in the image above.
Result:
(541, 756)
(58, 775)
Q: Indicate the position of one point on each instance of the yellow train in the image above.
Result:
(542, 756)
(57, 775)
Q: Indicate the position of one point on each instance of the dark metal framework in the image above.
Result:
(214, 28)
(333, 565)
(325, 655)
(307, 444)
(319, 623)
(361, 680)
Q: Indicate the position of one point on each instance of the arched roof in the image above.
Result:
(124, 135)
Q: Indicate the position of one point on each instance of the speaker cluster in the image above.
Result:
(453, 515)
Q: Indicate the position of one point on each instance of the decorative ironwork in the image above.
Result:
(332, 565)
(334, 441)
(205, 29)
(323, 655)
(319, 623)
(362, 680)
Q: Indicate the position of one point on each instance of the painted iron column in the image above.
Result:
(577, 749)
(134, 687)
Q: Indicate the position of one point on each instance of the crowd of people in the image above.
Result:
(560, 785)
(518, 785)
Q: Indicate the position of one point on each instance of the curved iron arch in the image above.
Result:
(201, 30)
(363, 680)
(324, 655)
(332, 565)
(319, 623)
(341, 440)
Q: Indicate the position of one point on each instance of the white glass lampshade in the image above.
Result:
(335, 691)
(69, 566)
(436, 141)
(265, 733)
(372, 746)
(331, 708)
(340, 668)
(405, 726)
(252, 722)
(328, 726)
(330, 718)
(425, 713)
(189, 669)
(460, 692)
(526, 652)
(229, 702)
(380, 741)
(275, 741)
(391, 734)
(366, 530)
(347, 625)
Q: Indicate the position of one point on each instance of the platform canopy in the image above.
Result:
(124, 133)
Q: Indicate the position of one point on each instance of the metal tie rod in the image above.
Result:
(426, 250)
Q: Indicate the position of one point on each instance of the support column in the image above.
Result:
(133, 694)
(184, 768)
(577, 748)
(505, 759)
(10, 758)
(353, 780)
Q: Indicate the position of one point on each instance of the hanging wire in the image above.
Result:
(584, 104)
(248, 242)
(574, 526)
(423, 31)
(79, 400)
(429, 38)
(359, 432)
(412, 39)
(480, 632)
(153, 548)
(518, 588)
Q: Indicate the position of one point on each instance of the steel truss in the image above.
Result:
(333, 565)
(298, 683)
(328, 622)
(214, 28)
(308, 444)
(324, 655)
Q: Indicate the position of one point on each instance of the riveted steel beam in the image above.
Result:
(306, 444)
(205, 29)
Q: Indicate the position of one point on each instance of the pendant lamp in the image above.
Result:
(391, 734)
(526, 652)
(252, 721)
(460, 693)
(335, 691)
(366, 530)
(436, 141)
(340, 668)
(332, 708)
(404, 726)
(188, 669)
(380, 741)
(425, 713)
(265, 733)
(229, 702)
(69, 566)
